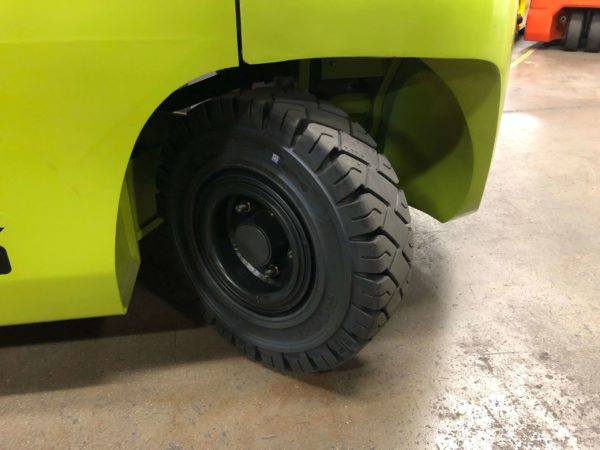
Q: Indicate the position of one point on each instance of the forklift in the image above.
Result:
(522, 15)
(577, 22)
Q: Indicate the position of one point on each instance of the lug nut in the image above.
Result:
(290, 254)
(242, 208)
(272, 271)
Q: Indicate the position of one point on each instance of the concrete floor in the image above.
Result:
(496, 345)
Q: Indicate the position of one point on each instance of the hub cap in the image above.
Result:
(252, 243)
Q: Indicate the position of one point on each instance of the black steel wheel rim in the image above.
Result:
(252, 244)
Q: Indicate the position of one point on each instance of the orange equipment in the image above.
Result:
(577, 21)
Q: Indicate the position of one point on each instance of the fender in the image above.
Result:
(78, 81)
(466, 47)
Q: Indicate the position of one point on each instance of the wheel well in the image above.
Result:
(398, 101)
(347, 81)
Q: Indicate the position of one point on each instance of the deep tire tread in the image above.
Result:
(362, 184)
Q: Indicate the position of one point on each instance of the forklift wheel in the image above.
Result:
(593, 41)
(574, 31)
(289, 225)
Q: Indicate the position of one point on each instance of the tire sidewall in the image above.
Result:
(258, 151)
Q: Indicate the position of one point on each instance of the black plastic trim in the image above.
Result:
(225, 81)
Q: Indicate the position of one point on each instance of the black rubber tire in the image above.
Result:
(344, 191)
(574, 31)
(593, 39)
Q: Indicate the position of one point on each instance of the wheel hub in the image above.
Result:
(254, 244)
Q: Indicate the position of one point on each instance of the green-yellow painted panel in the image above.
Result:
(78, 80)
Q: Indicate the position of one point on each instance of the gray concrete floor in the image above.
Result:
(496, 345)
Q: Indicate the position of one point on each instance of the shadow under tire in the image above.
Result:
(288, 224)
